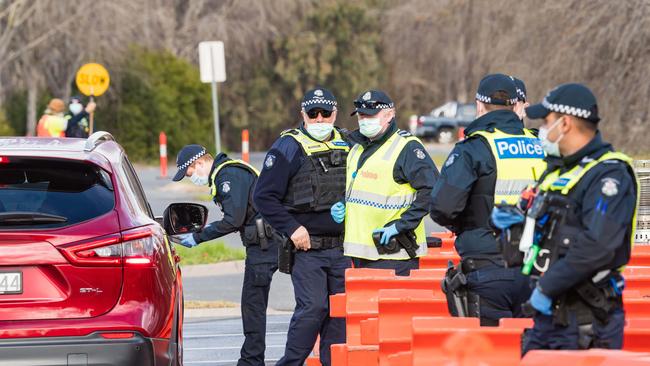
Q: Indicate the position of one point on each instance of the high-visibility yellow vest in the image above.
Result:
(519, 163)
(311, 146)
(373, 199)
(213, 177)
(563, 183)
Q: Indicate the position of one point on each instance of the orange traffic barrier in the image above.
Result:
(162, 140)
(433, 344)
(437, 258)
(516, 323)
(640, 256)
(313, 361)
(592, 357)
(245, 156)
(345, 355)
(362, 287)
(401, 359)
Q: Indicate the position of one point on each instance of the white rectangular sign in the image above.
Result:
(212, 63)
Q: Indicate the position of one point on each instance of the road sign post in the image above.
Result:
(212, 66)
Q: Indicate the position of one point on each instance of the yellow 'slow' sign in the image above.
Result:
(92, 79)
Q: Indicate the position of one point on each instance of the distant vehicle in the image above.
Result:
(442, 123)
(87, 273)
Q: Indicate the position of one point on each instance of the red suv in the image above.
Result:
(87, 273)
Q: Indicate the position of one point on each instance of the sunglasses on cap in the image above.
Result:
(369, 104)
(314, 113)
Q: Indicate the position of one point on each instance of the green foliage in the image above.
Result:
(158, 92)
(209, 252)
(5, 127)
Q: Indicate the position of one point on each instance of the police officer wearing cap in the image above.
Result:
(303, 176)
(231, 185)
(496, 161)
(584, 215)
(389, 180)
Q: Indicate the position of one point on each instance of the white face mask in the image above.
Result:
(319, 131)
(76, 108)
(199, 180)
(552, 148)
(370, 126)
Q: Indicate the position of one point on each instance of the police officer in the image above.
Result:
(303, 176)
(78, 118)
(231, 185)
(497, 160)
(390, 206)
(585, 212)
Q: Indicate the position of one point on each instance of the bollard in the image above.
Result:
(244, 146)
(162, 139)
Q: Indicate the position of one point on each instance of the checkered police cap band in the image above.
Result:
(521, 94)
(318, 101)
(565, 109)
(488, 100)
(192, 159)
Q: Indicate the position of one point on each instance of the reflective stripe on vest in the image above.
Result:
(519, 162)
(311, 146)
(373, 199)
(213, 177)
(563, 183)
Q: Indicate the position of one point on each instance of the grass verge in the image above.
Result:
(209, 252)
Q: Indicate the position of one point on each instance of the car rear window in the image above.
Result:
(46, 193)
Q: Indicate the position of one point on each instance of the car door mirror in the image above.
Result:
(184, 218)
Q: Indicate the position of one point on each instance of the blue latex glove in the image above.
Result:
(338, 212)
(541, 302)
(386, 233)
(503, 218)
(187, 240)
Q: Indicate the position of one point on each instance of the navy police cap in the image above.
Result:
(494, 83)
(185, 158)
(521, 88)
(318, 98)
(371, 102)
(572, 99)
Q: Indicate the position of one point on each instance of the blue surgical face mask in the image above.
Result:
(76, 108)
(199, 180)
(370, 126)
(552, 148)
(320, 131)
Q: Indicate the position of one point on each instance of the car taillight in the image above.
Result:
(4, 159)
(420, 121)
(134, 247)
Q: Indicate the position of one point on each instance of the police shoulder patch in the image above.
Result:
(451, 159)
(225, 187)
(419, 154)
(610, 186)
(270, 160)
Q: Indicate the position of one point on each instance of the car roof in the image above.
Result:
(101, 154)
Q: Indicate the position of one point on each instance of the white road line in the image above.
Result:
(224, 348)
(223, 361)
(227, 335)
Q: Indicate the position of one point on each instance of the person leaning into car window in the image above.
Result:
(231, 184)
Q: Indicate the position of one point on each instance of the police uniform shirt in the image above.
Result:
(234, 184)
(606, 198)
(282, 162)
(470, 164)
(413, 166)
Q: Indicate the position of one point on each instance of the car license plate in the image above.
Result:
(11, 283)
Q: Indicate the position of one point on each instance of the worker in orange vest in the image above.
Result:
(52, 123)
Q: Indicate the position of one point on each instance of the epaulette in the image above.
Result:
(292, 131)
(404, 133)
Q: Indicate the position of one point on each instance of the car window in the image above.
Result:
(33, 190)
(136, 187)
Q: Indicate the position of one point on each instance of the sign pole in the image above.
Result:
(215, 106)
